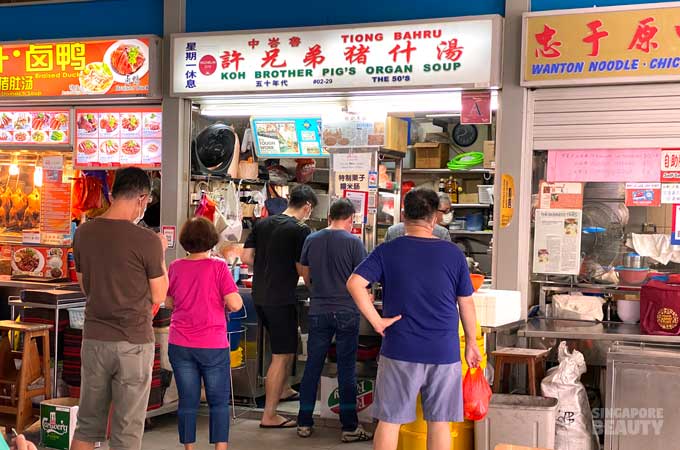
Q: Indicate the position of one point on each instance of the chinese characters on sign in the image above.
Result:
(616, 165)
(55, 204)
(670, 166)
(440, 53)
(102, 67)
(604, 45)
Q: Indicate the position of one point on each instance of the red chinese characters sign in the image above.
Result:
(76, 68)
(416, 54)
(601, 45)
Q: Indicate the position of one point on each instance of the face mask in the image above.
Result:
(140, 217)
(447, 218)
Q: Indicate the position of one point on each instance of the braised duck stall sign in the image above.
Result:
(103, 67)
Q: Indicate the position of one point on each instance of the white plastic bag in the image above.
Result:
(230, 225)
(575, 429)
(578, 307)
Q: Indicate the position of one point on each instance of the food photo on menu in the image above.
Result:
(124, 62)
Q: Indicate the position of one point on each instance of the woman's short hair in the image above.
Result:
(198, 235)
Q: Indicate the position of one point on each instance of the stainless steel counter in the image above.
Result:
(582, 330)
(6, 281)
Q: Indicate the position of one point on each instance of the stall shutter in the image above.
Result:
(641, 116)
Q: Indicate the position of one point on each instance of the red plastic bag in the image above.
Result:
(206, 208)
(476, 394)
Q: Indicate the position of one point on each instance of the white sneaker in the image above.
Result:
(304, 432)
(358, 435)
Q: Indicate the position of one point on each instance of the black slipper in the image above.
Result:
(288, 423)
(291, 398)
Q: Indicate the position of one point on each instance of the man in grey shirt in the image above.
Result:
(439, 231)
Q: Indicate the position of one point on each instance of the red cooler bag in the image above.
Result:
(660, 309)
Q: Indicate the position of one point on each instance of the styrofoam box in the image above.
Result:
(495, 308)
(517, 420)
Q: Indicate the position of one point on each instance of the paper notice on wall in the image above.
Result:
(670, 193)
(614, 165)
(561, 195)
(557, 241)
(351, 162)
(643, 194)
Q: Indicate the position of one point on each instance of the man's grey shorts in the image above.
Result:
(399, 383)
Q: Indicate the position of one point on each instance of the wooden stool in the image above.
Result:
(506, 357)
(16, 406)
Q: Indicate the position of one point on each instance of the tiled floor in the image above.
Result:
(245, 434)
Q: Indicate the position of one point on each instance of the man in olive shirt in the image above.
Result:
(121, 269)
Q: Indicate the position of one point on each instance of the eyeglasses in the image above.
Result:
(444, 211)
(149, 198)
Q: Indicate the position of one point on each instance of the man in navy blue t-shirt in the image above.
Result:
(328, 259)
(425, 283)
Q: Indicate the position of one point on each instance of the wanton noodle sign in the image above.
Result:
(77, 68)
(603, 45)
(410, 54)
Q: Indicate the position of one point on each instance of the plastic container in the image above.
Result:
(477, 281)
(76, 318)
(474, 222)
(485, 194)
(517, 420)
(630, 276)
(628, 310)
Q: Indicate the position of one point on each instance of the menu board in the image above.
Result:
(288, 137)
(55, 204)
(114, 138)
(34, 127)
(111, 67)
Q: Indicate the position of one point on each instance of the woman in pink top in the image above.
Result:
(200, 289)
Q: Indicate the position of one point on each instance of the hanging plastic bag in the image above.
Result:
(574, 429)
(476, 394)
(233, 221)
(304, 171)
(206, 208)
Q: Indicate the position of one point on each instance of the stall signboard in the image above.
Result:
(34, 127)
(288, 137)
(557, 241)
(414, 54)
(604, 166)
(106, 67)
(110, 138)
(626, 44)
(643, 194)
(561, 195)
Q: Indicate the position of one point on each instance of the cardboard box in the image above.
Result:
(489, 154)
(58, 419)
(495, 308)
(468, 199)
(330, 399)
(431, 155)
(396, 134)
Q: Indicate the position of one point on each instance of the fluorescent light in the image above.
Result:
(38, 176)
(371, 106)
